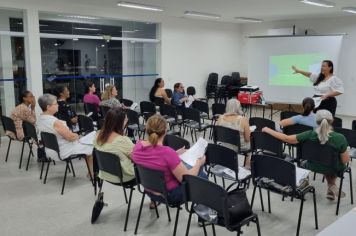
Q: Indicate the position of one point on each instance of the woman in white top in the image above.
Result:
(326, 85)
(67, 140)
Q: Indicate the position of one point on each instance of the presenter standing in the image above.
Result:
(326, 85)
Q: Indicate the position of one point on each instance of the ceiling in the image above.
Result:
(267, 10)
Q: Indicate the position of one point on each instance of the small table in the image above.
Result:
(342, 226)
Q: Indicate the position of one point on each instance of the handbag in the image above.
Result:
(235, 208)
(98, 207)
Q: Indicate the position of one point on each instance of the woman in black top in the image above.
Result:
(65, 111)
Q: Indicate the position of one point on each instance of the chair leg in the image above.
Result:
(176, 221)
(189, 220)
(315, 210)
(314, 176)
(156, 209)
(258, 226)
(204, 228)
(300, 214)
(168, 212)
(71, 165)
(65, 177)
(213, 228)
(223, 181)
(42, 169)
(139, 213)
(128, 209)
(351, 189)
(253, 195)
(269, 201)
(195, 133)
(338, 198)
(23, 146)
(29, 156)
(45, 179)
(125, 195)
(8, 149)
(263, 208)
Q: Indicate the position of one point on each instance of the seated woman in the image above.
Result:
(108, 98)
(179, 98)
(23, 112)
(233, 119)
(111, 139)
(90, 96)
(158, 92)
(152, 154)
(67, 140)
(307, 118)
(325, 135)
(65, 112)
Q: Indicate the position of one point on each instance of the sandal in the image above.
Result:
(152, 205)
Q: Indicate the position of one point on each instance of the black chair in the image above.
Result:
(104, 110)
(263, 143)
(337, 122)
(169, 93)
(225, 83)
(49, 141)
(30, 137)
(288, 114)
(295, 129)
(200, 191)
(349, 134)
(353, 126)
(212, 87)
(229, 136)
(85, 124)
(219, 157)
(324, 155)
(154, 181)
(126, 102)
(133, 123)
(217, 110)
(91, 108)
(279, 176)
(191, 118)
(175, 142)
(158, 101)
(235, 85)
(261, 123)
(203, 107)
(169, 112)
(191, 91)
(9, 126)
(147, 109)
(110, 163)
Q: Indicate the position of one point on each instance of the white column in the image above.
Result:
(7, 92)
(33, 52)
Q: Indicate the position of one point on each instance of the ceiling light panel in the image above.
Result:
(247, 19)
(201, 14)
(349, 9)
(139, 6)
(319, 3)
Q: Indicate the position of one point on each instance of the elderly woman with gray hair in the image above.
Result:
(325, 135)
(67, 140)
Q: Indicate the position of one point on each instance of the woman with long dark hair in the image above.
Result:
(158, 92)
(326, 85)
(90, 96)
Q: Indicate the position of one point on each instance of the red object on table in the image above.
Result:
(249, 98)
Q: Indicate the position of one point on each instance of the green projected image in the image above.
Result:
(281, 73)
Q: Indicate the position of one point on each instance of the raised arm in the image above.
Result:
(297, 71)
(292, 139)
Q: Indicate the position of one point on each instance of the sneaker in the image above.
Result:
(335, 190)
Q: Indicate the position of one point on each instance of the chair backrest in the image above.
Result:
(226, 80)
(288, 114)
(353, 126)
(49, 141)
(213, 79)
(29, 130)
(133, 117)
(89, 107)
(175, 142)
(226, 135)
(201, 191)
(126, 102)
(323, 154)
(281, 171)
(191, 91)
(296, 129)
(151, 179)
(262, 122)
(349, 134)
(168, 110)
(85, 124)
(8, 124)
(218, 108)
(235, 79)
(191, 114)
(261, 141)
(220, 155)
(169, 93)
(201, 106)
(147, 109)
(104, 110)
(337, 122)
(108, 162)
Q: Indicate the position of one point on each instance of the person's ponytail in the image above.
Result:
(323, 131)
(156, 127)
(153, 139)
(308, 106)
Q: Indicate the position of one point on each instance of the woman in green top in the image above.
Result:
(325, 135)
(111, 139)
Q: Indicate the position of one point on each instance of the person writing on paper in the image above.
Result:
(108, 98)
(158, 92)
(325, 135)
(306, 118)
(67, 140)
(326, 85)
(233, 119)
(152, 154)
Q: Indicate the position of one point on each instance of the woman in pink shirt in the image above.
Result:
(152, 154)
(90, 96)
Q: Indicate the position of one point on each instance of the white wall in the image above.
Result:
(344, 69)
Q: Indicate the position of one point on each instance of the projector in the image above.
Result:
(249, 88)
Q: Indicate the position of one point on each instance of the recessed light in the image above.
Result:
(247, 19)
(103, 45)
(201, 14)
(80, 17)
(139, 6)
(75, 39)
(349, 9)
(88, 29)
(319, 3)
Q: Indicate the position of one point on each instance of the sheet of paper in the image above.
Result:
(190, 101)
(243, 173)
(252, 128)
(88, 139)
(193, 153)
(301, 174)
(133, 106)
(317, 101)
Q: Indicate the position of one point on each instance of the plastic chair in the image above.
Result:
(263, 143)
(279, 176)
(85, 124)
(200, 191)
(110, 163)
(91, 108)
(9, 126)
(169, 93)
(169, 112)
(104, 110)
(49, 141)
(261, 123)
(203, 107)
(30, 137)
(175, 142)
(353, 126)
(147, 109)
(337, 122)
(212, 87)
(134, 123)
(126, 102)
(154, 181)
(295, 129)
(191, 118)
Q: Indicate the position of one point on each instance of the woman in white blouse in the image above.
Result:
(326, 85)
